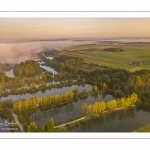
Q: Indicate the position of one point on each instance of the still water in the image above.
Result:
(9, 73)
(67, 111)
(48, 92)
(49, 69)
(120, 121)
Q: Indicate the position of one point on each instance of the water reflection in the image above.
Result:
(65, 112)
(49, 69)
(42, 116)
(120, 121)
(10, 73)
(49, 92)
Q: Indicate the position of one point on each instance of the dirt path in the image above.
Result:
(16, 120)
(70, 122)
(116, 109)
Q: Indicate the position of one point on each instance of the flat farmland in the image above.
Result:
(93, 53)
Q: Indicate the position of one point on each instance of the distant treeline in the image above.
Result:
(113, 49)
(63, 63)
(6, 67)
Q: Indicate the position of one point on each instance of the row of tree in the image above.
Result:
(33, 87)
(113, 49)
(46, 127)
(27, 106)
(99, 107)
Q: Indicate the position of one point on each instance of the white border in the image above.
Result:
(79, 135)
(74, 5)
(74, 14)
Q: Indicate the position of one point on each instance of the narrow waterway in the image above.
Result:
(48, 92)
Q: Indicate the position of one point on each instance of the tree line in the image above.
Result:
(27, 106)
(99, 107)
(46, 127)
(113, 49)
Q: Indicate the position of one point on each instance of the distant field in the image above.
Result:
(93, 53)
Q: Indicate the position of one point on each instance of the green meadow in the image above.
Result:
(132, 52)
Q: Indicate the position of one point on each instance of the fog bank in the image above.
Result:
(17, 52)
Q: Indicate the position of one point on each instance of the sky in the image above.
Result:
(52, 28)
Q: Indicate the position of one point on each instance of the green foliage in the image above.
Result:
(95, 90)
(46, 127)
(5, 107)
(27, 106)
(28, 68)
(135, 81)
(99, 107)
(143, 129)
(83, 94)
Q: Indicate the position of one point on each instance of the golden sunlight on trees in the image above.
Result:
(99, 107)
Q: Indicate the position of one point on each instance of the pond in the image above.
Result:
(10, 73)
(67, 111)
(120, 121)
(48, 92)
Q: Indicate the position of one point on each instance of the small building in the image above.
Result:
(135, 63)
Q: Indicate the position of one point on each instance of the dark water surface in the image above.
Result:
(67, 111)
(49, 92)
(120, 121)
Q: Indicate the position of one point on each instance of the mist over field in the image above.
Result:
(17, 52)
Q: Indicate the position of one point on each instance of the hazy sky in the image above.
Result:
(12, 29)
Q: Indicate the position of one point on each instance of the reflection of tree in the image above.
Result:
(2, 117)
(104, 95)
(35, 116)
(50, 113)
(110, 117)
(89, 125)
(83, 98)
(43, 91)
(71, 107)
(95, 97)
(130, 113)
